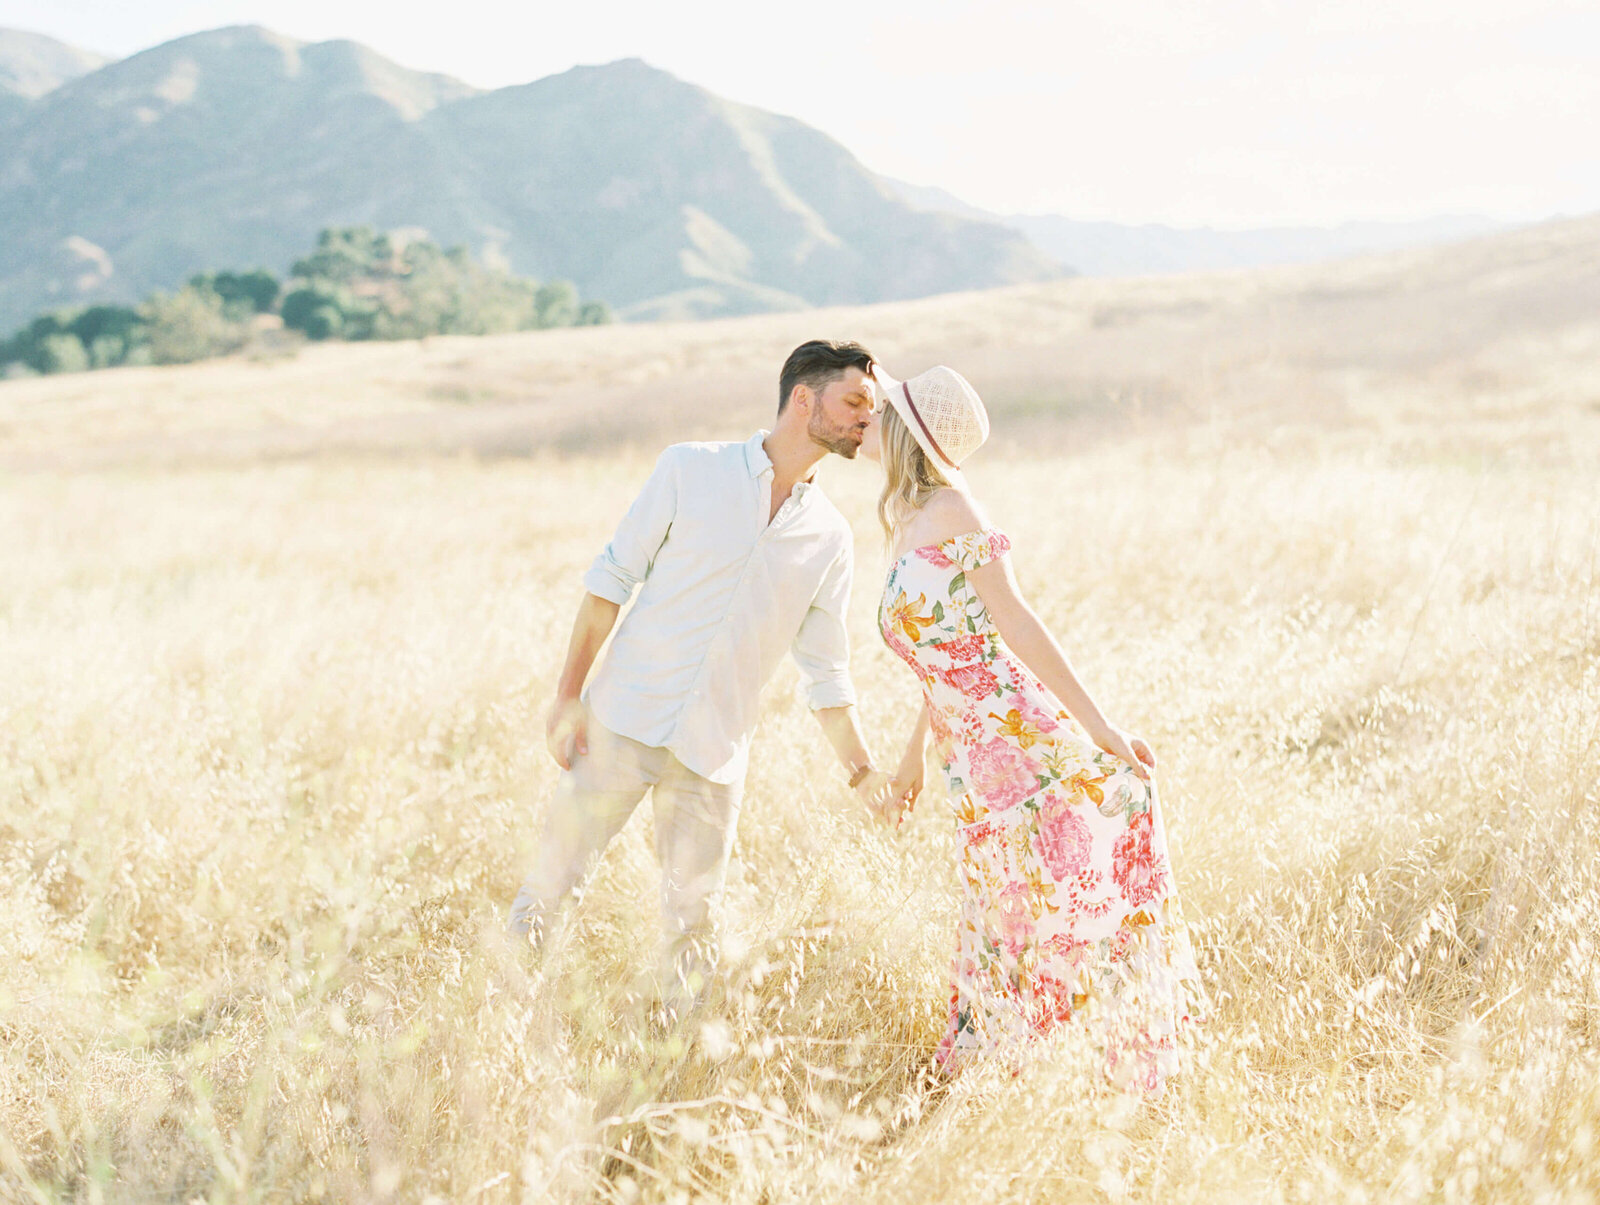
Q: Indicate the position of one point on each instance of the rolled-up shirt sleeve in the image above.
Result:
(626, 560)
(822, 646)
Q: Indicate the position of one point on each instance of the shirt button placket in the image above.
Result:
(696, 691)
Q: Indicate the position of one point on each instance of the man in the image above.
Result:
(736, 556)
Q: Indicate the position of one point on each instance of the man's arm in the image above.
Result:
(566, 729)
(610, 582)
(844, 734)
(626, 560)
(822, 651)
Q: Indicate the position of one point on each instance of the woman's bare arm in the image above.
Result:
(1026, 636)
(908, 778)
(951, 513)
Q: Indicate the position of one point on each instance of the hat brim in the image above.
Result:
(887, 391)
(881, 383)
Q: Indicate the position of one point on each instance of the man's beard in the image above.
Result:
(843, 443)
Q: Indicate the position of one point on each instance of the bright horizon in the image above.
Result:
(1242, 116)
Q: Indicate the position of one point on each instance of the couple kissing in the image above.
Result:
(732, 555)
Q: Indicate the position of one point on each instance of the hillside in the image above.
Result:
(1383, 348)
(32, 64)
(278, 639)
(231, 148)
(1123, 249)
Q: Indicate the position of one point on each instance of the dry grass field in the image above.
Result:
(276, 637)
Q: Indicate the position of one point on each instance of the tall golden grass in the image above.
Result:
(272, 766)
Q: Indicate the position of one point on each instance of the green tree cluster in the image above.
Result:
(358, 283)
(207, 317)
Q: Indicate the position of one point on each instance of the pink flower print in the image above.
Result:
(971, 723)
(934, 555)
(900, 648)
(1041, 718)
(1002, 774)
(977, 834)
(968, 648)
(1135, 865)
(973, 681)
(1064, 842)
(1016, 917)
(1065, 947)
(1052, 1001)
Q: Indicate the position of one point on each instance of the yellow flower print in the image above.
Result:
(903, 615)
(1082, 781)
(1138, 920)
(1013, 725)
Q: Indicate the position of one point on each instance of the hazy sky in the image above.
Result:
(1234, 113)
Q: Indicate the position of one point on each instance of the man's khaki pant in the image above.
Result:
(694, 826)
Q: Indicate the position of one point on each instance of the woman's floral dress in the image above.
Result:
(1068, 910)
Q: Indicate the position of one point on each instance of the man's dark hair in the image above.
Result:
(817, 364)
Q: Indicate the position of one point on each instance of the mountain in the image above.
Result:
(32, 64)
(228, 148)
(232, 148)
(1113, 249)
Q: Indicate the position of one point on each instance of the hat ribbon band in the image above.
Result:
(932, 442)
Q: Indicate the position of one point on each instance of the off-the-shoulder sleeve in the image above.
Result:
(974, 549)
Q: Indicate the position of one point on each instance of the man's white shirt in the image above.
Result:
(722, 595)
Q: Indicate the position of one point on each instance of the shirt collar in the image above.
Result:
(759, 462)
(755, 455)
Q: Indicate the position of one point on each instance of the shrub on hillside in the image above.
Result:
(558, 303)
(242, 293)
(357, 283)
(189, 325)
(360, 284)
(317, 310)
(110, 333)
(62, 352)
(345, 255)
(72, 340)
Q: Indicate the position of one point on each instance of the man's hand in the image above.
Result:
(873, 790)
(566, 731)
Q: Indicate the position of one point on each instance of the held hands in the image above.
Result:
(566, 731)
(873, 790)
(889, 799)
(907, 782)
(1130, 749)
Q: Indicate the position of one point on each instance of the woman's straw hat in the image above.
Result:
(943, 412)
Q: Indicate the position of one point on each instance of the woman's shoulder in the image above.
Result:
(948, 514)
(952, 530)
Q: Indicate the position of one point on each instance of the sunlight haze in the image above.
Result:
(1242, 114)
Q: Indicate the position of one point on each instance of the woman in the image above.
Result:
(1069, 911)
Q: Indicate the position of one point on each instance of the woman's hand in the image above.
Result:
(1130, 749)
(903, 791)
(908, 781)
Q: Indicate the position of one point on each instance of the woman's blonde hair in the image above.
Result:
(910, 476)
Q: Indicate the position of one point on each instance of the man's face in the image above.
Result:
(841, 413)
